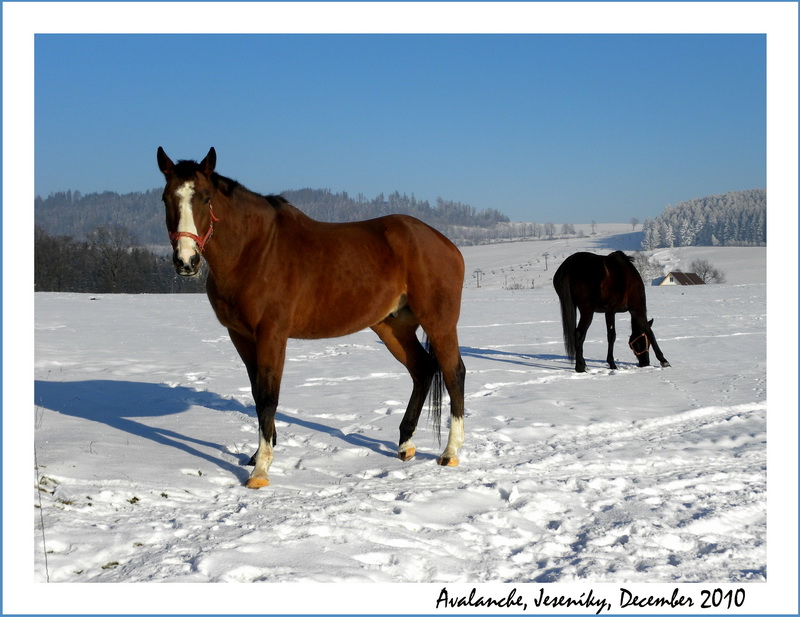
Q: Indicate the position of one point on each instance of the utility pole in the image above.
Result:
(478, 273)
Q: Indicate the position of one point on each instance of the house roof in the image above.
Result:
(684, 278)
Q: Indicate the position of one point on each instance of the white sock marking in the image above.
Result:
(263, 457)
(455, 439)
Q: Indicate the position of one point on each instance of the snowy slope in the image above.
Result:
(143, 420)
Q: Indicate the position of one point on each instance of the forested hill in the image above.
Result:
(731, 219)
(72, 214)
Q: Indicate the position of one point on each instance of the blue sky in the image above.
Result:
(563, 128)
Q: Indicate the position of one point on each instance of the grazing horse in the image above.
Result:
(274, 274)
(603, 284)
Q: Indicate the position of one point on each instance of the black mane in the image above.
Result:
(621, 256)
(276, 201)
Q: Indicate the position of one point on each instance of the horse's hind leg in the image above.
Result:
(453, 373)
(399, 335)
(611, 331)
(580, 336)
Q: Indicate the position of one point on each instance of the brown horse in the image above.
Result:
(275, 274)
(603, 284)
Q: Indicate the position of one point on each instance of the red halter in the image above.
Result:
(201, 242)
(646, 344)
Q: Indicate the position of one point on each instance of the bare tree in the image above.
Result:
(649, 267)
(110, 246)
(634, 223)
(707, 272)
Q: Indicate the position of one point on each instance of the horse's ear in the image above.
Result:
(164, 162)
(210, 162)
(650, 323)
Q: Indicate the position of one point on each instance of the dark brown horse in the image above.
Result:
(275, 274)
(603, 284)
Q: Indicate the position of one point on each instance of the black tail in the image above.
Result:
(435, 393)
(568, 314)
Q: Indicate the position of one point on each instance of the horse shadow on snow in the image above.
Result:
(126, 406)
(543, 361)
(558, 363)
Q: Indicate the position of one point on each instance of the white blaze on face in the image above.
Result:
(186, 247)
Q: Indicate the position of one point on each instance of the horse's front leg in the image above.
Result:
(246, 346)
(271, 352)
(656, 348)
(611, 331)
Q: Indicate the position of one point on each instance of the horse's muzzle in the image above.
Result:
(186, 268)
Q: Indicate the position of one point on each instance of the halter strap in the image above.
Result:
(646, 344)
(201, 242)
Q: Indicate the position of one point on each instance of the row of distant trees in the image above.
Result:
(75, 214)
(325, 205)
(508, 231)
(108, 261)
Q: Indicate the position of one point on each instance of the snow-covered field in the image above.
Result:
(143, 419)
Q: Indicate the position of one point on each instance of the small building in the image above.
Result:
(680, 278)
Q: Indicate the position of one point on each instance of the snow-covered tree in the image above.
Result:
(731, 219)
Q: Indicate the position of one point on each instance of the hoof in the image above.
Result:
(407, 455)
(447, 461)
(665, 364)
(257, 482)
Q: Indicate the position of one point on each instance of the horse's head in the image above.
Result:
(187, 199)
(640, 343)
